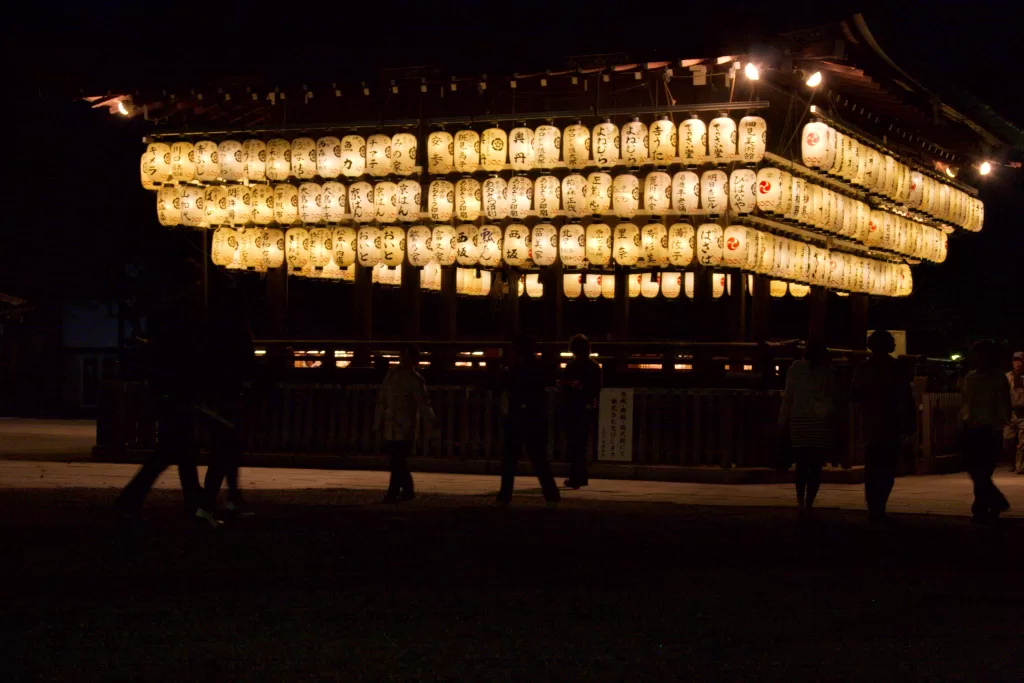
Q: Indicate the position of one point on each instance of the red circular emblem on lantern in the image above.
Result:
(871, 226)
(813, 139)
(764, 187)
(733, 244)
(913, 186)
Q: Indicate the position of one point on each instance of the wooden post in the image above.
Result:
(277, 301)
(858, 321)
(761, 306)
(818, 307)
(703, 299)
(620, 316)
(362, 312)
(510, 307)
(738, 307)
(551, 278)
(411, 302)
(449, 298)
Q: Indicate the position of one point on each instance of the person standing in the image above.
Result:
(1013, 432)
(985, 410)
(883, 395)
(581, 385)
(526, 421)
(401, 402)
(808, 417)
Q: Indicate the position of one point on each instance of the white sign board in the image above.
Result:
(615, 425)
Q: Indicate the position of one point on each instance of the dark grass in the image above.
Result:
(332, 585)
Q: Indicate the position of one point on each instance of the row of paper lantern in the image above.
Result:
(351, 156)
(668, 284)
(486, 247)
(825, 149)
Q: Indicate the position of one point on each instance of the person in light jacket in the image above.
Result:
(985, 410)
(401, 402)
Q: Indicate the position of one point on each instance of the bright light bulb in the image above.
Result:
(121, 108)
(815, 80)
(985, 169)
(950, 172)
(751, 71)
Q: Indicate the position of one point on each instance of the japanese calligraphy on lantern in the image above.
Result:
(615, 425)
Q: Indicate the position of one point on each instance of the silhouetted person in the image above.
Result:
(1013, 433)
(176, 369)
(229, 353)
(526, 422)
(581, 385)
(886, 403)
(402, 400)
(808, 415)
(985, 409)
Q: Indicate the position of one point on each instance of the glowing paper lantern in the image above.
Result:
(467, 151)
(495, 198)
(344, 242)
(753, 250)
(534, 287)
(626, 195)
(688, 284)
(714, 187)
(385, 200)
(662, 142)
(599, 244)
(574, 190)
(440, 152)
(254, 160)
(743, 190)
(207, 167)
(735, 245)
(836, 269)
(520, 149)
(321, 247)
(599, 193)
(403, 153)
(311, 203)
(722, 140)
(626, 244)
(572, 245)
(671, 285)
(183, 164)
(225, 248)
(634, 143)
(693, 141)
(592, 286)
(273, 247)
(155, 165)
(777, 289)
(297, 248)
(378, 155)
(304, 158)
(572, 285)
(168, 205)
(520, 195)
(441, 200)
(467, 199)
(547, 193)
(216, 200)
(657, 192)
(392, 249)
(490, 246)
(229, 157)
(753, 138)
(681, 242)
(240, 204)
(769, 190)
(361, 202)
(710, 245)
(654, 241)
(279, 159)
(547, 146)
(605, 143)
(876, 229)
(408, 198)
(814, 145)
(368, 246)
(493, 149)
(430, 277)
(576, 146)
(286, 203)
(798, 291)
(444, 241)
(328, 157)
(719, 283)
(517, 245)
(650, 285)
(334, 200)
(467, 244)
(192, 203)
(353, 156)
(544, 244)
(607, 286)
(686, 192)
(850, 158)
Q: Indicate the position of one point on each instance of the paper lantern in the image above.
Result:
(378, 155)
(714, 188)
(440, 200)
(904, 280)
(798, 291)
(599, 193)
(777, 289)
(634, 284)
(521, 153)
(279, 159)
(599, 244)
(297, 248)
(634, 143)
(817, 206)
(225, 248)
(671, 285)
(311, 203)
(806, 206)
(490, 241)
(430, 277)
(215, 199)
(574, 190)
(385, 201)
(654, 245)
(709, 245)
(572, 285)
(605, 144)
(467, 199)
(662, 142)
(766, 253)
(321, 247)
(544, 244)
(344, 243)
(572, 245)
(836, 269)
(467, 151)
(273, 247)
(254, 161)
(495, 198)
(403, 153)
(876, 229)
(657, 193)
(743, 190)
(353, 156)
(650, 285)
(229, 159)
(686, 192)
(493, 149)
(592, 286)
(576, 146)
(193, 206)
(753, 139)
(516, 246)
(304, 158)
(444, 244)
(547, 145)
(835, 150)
(722, 140)
(368, 246)
(155, 165)
(334, 201)
(848, 169)
(286, 203)
(467, 244)
(786, 198)
(608, 286)
(681, 242)
(183, 164)
(440, 152)
(207, 167)
(626, 195)
(240, 204)
(720, 282)
(534, 287)
(626, 244)
(547, 193)
(817, 268)
(361, 202)
(693, 141)
(392, 245)
(735, 244)
(768, 183)
(168, 205)
(688, 285)
(408, 198)
(753, 249)
(520, 196)
(792, 212)
(814, 145)
(328, 157)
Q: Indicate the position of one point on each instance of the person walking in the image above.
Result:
(1013, 432)
(581, 386)
(808, 418)
(526, 421)
(985, 410)
(886, 405)
(401, 402)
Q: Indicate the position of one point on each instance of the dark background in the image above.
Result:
(76, 214)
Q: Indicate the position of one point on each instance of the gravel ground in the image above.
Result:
(330, 584)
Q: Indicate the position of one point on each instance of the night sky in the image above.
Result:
(77, 215)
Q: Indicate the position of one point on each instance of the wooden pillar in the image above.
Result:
(510, 304)
(817, 314)
(362, 312)
(620, 316)
(738, 307)
(449, 299)
(277, 301)
(554, 300)
(858, 321)
(411, 302)
(761, 302)
(703, 300)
